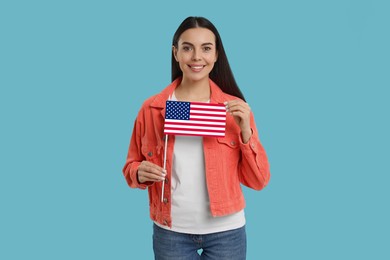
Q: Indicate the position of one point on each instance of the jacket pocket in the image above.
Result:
(150, 153)
(229, 150)
(230, 140)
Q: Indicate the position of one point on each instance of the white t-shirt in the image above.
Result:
(190, 206)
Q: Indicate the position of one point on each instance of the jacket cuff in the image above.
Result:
(250, 146)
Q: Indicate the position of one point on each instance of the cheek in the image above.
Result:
(212, 59)
(183, 65)
(183, 59)
(211, 56)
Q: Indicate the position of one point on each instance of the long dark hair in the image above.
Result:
(221, 74)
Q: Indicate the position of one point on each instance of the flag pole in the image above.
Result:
(165, 166)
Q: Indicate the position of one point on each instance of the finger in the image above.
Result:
(240, 109)
(148, 171)
(239, 114)
(147, 176)
(144, 174)
(152, 165)
(234, 101)
(234, 104)
(240, 104)
(152, 168)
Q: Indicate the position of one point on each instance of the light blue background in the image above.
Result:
(73, 75)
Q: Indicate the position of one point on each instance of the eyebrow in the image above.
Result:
(203, 44)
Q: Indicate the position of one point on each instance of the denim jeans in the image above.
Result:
(227, 245)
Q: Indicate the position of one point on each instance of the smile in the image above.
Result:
(196, 68)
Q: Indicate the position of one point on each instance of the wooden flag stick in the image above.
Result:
(165, 166)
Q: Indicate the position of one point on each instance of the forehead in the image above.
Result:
(197, 36)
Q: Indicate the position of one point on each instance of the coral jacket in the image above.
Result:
(228, 161)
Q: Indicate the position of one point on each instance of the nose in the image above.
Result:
(195, 55)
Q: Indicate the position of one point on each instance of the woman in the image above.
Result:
(202, 206)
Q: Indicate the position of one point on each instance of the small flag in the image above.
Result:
(195, 118)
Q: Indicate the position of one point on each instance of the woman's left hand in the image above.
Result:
(241, 114)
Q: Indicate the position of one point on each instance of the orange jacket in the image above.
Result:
(228, 161)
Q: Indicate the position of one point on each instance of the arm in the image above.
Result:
(134, 159)
(254, 167)
(138, 172)
(254, 170)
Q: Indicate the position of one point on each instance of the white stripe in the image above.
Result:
(208, 117)
(208, 112)
(209, 107)
(194, 122)
(195, 127)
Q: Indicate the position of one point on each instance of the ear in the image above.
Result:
(174, 51)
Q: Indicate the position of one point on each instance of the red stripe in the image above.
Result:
(206, 120)
(207, 104)
(201, 114)
(209, 109)
(195, 134)
(195, 125)
(193, 130)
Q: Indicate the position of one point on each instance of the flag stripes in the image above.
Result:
(195, 118)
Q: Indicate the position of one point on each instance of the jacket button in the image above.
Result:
(150, 154)
(166, 180)
(233, 143)
(165, 222)
(253, 145)
(165, 200)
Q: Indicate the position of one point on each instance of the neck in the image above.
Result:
(193, 90)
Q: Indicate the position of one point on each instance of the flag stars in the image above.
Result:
(177, 110)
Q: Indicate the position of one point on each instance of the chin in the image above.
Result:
(197, 77)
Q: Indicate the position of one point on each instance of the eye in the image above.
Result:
(207, 48)
(187, 48)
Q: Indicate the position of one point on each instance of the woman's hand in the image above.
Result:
(148, 171)
(241, 114)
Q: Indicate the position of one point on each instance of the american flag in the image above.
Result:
(195, 118)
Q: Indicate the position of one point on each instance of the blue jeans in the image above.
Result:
(227, 245)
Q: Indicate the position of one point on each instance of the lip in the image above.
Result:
(196, 67)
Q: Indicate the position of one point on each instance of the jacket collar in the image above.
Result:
(217, 96)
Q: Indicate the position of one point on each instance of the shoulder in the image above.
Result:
(147, 102)
(219, 95)
(227, 97)
(230, 97)
(158, 100)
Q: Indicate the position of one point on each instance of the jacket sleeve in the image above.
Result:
(254, 170)
(135, 156)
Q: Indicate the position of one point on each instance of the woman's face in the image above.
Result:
(196, 53)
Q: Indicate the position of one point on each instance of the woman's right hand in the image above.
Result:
(148, 171)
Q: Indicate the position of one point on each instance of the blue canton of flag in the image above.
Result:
(177, 110)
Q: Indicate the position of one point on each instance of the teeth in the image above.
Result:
(197, 67)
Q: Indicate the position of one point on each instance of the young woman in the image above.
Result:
(202, 206)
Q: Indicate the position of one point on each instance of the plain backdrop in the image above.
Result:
(73, 75)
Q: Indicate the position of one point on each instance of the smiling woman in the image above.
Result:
(199, 177)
